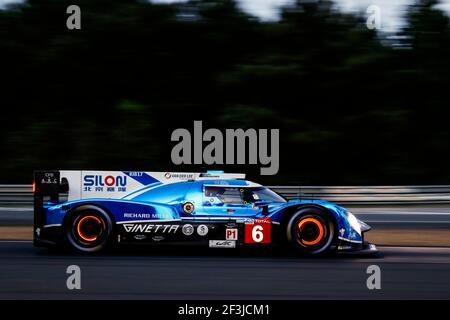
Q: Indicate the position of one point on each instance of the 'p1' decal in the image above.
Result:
(258, 232)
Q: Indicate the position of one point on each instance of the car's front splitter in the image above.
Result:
(365, 248)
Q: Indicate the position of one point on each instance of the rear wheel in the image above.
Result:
(89, 229)
(311, 231)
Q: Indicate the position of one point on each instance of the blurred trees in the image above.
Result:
(353, 106)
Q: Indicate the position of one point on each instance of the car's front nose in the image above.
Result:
(364, 226)
(366, 248)
(357, 228)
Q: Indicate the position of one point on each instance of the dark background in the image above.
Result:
(353, 106)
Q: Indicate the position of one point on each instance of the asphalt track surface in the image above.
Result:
(406, 273)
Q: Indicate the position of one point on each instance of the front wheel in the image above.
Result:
(311, 231)
(88, 229)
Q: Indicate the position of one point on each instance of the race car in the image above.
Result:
(90, 211)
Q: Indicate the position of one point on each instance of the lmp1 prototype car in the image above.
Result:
(215, 209)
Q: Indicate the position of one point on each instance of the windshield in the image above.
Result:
(262, 194)
(219, 195)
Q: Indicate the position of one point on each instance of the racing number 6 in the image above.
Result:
(257, 234)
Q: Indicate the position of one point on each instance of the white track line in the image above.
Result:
(414, 249)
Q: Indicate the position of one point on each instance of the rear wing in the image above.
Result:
(47, 186)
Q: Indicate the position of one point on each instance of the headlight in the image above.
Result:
(353, 221)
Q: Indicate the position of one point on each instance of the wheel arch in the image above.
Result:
(291, 211)
(86, 206)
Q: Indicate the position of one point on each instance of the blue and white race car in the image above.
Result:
(105, 208)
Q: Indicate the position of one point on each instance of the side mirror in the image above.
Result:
(265, 209)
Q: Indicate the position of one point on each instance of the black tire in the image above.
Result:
(311, 230)
(88, 229)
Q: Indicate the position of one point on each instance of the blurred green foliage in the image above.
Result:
(353, 106)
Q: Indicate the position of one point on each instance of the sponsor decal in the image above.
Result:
(135, 174)
(140, 237)
(150, 228)
(249, 221)
(158, 238)
(187, 229)
(222, 244)
(244, 220)
(259, 231)
(188, 207)
(49, 178)
(99, 183)
(342, 231)
(182, 176)
(146, 215)
(231, 234)
(137, 215)
(231, 225)
(202, 230)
